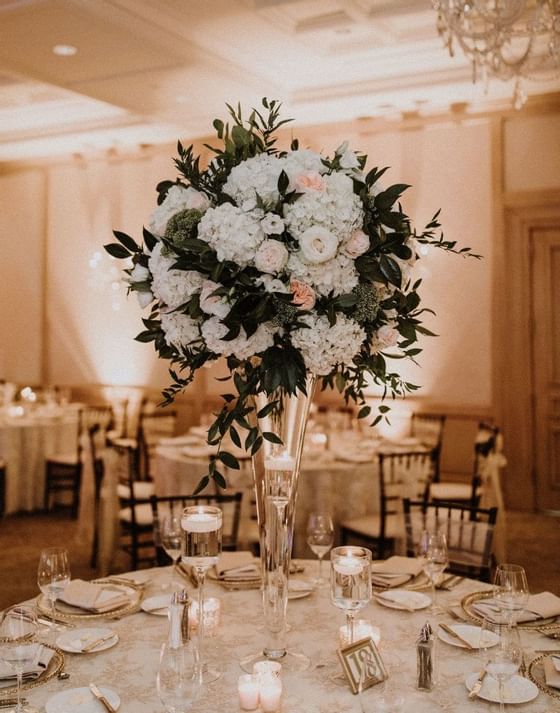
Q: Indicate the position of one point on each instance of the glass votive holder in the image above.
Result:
(248, 690)
(267, 668)
(270, 692)
(212, 613)
(363, 629)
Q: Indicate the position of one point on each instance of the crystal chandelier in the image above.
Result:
(507, 39)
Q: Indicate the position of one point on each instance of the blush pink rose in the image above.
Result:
(387, 336)
(309, 182)
(271, 256)
(357, 244)
(302, 294)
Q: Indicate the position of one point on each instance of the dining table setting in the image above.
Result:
(132, 642)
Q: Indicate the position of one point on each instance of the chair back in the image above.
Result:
(164, 506)
(428, 427)
(469, 532)
(401, 475)
(2, 487)
(90, 416)
(152, 426)
(98, 470)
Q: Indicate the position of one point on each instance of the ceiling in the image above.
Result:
(148, 71)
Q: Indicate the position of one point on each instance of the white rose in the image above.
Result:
(272, 224)
(212, 304)
(196, 200)
(348, 159)
(318, 244)
(386, 336)
(139, 274)
(357, 244)
(144, 298)
(271, 256)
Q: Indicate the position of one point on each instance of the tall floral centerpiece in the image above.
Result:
(296, 268)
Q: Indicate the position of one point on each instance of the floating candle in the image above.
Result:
(348, 565)
(200, 522)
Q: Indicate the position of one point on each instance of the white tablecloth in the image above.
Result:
(130, 667)
(25, 443)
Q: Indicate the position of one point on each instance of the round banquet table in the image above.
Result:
(25, 443)
(130, 667)
(342, 488)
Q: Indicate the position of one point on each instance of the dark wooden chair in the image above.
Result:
(469, 532)
(429, 428)
(230, 505)
(2, 487)
(400, 475)
(153, 425)
(98, 473)
(63, 471)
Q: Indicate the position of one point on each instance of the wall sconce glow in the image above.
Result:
(65, 50)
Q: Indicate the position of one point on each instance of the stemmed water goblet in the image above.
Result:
(500, 661)
(432, 551)
(512, 592)
(171, 538)
(178, 680)
(320, 537)
(18, 650)
(202, 525)
(350, 581)
(53, 576)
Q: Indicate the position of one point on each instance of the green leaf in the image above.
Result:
(272, 438)
(364, 411)
(127, 241)
(256, 445)
(150, 240)
(229, 460)
(203, 482)
(117, 250)
(235, 436)
(384, 409)
(391, 270)
(283, 182)
(146, 336)
(219, 480)
(388, 197)
(267, 409)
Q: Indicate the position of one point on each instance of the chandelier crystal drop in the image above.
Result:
(506, 39)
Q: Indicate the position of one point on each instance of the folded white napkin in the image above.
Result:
(93, 597)
(397, 565)
(390, 580)
(401, 597)
(239, 565)
(539, 606)
(41, 658)
(551, 675)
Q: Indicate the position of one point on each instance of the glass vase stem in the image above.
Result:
(201, 577)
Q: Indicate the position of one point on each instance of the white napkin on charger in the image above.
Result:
(395, 571)
(551, 675)
(539, 606)
(93, 597)
(32, 671)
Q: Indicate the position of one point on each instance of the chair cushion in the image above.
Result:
(64, 458)
(143, 513)
(369, 526)
(451, 491)
(143, 489)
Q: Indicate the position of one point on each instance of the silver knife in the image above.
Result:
(475, 690)
(101, 698)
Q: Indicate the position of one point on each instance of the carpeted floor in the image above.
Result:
(533, 541)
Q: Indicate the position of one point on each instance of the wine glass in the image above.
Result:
(178, 680)
(171, 535)
(18, 651)
(350, 581)
(513, 592)
(202, 525)
(500, 661)
(320, 537)
(53, 576)
(432, 551)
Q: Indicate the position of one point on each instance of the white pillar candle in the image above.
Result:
(349, 565)
(248, 689)
(270, 693)
(282, 461)
(200, 522)
(363, 629)
(267, 668)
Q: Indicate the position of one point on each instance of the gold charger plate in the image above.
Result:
(536, 675)
(66, 612)
(56, 664)
(468, 601)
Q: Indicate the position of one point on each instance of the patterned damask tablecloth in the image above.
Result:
(130, 667)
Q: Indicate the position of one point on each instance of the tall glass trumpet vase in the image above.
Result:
(276, 467)
(202, 525)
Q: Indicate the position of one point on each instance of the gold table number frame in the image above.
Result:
(362, 664)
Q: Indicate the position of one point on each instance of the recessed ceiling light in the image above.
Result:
(65, 50)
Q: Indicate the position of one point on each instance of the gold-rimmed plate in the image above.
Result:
(56, 664)
(65, 612)
(537, 676)
(468, 602)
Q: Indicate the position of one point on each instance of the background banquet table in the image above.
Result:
(25, 443)
(130, 667)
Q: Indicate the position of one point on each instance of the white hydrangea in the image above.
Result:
(255, 176)
(338, 209)
(337, 275)
(272, 284)
(234, 234)
(323, 346)
(242, 346)
(297, 162)
(172, 287)
(176, 200)
(179, 329)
